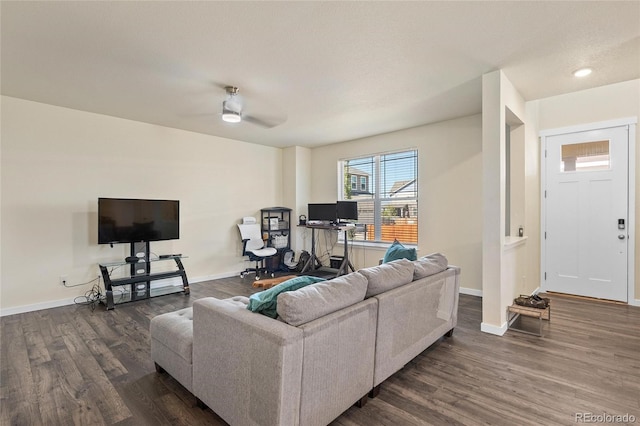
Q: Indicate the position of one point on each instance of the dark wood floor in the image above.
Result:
(71, 365)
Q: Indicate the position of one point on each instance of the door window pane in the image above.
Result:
(585, 157)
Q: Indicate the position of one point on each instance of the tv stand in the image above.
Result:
(137, 286)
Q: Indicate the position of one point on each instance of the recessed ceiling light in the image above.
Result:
(582, 72)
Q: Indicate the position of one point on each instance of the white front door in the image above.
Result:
(586, 213)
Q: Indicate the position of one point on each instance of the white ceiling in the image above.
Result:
(334, 70)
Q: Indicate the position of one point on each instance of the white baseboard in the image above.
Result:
(214, 277)
(65, 302)
(492, 329)
(36, 307)
(487, 328)
(471, 291)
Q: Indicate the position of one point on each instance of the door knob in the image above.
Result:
(621, 237)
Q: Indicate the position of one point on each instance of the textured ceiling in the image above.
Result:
(329, 71)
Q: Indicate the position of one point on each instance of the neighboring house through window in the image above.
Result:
(386, 189)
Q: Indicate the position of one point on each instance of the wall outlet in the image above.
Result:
(63, 280)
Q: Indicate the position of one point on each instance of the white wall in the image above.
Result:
(0, 206)
(56, 162)
(615, 101)
(531, 202)
(504, 267)
(297, 169)
(493, 172)
(449, 185)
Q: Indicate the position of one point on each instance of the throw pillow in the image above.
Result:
(265, 302)
(398, 251)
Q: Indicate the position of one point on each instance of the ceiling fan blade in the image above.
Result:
(236, 103)
(264, 122)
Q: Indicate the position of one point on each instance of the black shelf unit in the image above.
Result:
(276, 231)
(276, 224)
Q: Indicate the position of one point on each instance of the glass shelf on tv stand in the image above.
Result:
(137, 286)
(141, 261)
(123, 293)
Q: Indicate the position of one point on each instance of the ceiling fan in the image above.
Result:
(232, 111)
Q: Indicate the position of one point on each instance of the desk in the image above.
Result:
(345, 266)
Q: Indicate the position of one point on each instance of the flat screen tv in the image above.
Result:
(124, 220)
(325, 212)
(347, 210)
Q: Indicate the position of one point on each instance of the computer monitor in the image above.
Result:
(325, 212)
(347, 210)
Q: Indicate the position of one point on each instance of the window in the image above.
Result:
(585, 157)
(387, 195)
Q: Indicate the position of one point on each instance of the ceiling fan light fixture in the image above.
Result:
(229, 115)
(582, 72)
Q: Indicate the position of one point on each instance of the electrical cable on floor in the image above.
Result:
(91, 297)
(329, 245)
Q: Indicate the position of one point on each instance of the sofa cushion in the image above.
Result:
(398, 251)
(320, 299)
(265, 302)
(174, 330)
(241, 301)
(388, 276)
(429, 265)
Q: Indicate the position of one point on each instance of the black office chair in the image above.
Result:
(253, 246)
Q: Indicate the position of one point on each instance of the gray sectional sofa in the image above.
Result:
(333, 343)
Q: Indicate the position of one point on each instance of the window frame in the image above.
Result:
(377, 191)
(363, 183)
